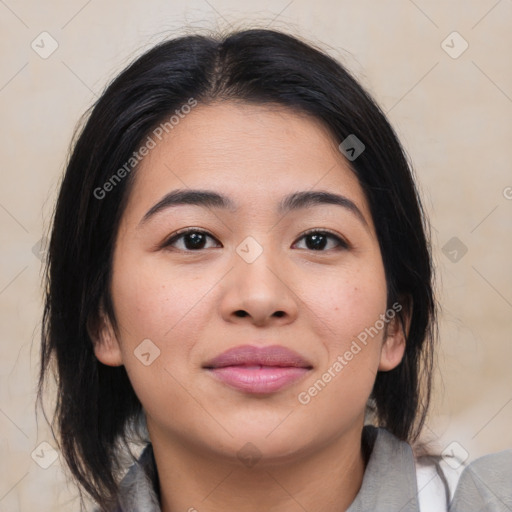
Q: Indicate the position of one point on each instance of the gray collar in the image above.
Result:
(389, 482)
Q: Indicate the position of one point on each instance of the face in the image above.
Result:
(191, 281)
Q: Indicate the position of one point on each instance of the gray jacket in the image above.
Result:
(389, 483)
(485, 485)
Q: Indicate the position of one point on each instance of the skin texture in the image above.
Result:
(185, 302)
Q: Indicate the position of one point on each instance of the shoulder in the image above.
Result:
(446, 484)
(485, 485)
(394, 476)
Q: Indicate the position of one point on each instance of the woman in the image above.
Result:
(239, 279)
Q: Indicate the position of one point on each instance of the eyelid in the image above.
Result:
(177, 234)
(342, 241)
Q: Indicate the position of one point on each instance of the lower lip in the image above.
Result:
(265, 379)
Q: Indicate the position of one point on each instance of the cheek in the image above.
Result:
(154, 300)
(158, 316)
(346, 310)
(169, 305)
(347, 304)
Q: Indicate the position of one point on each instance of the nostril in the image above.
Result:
(241, 313)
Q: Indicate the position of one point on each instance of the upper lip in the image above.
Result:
(249, 355)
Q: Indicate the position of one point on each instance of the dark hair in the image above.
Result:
(96, 404)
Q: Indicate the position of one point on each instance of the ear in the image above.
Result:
(395, 336)
(105, 343)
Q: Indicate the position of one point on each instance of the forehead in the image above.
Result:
(255, 154)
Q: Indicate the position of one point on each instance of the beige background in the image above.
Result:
(452, 114)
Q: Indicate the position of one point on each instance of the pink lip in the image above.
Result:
(258, 370)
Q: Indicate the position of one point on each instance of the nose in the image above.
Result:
(259, 293)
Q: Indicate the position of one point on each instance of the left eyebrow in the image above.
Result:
(291, 202)
(306, 199)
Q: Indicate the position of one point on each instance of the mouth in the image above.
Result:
(258, 370)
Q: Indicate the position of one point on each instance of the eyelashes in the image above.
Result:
(319, 235)
(194, 240)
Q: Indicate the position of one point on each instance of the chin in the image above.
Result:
(265, 445)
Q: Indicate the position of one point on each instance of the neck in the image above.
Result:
(325, 479)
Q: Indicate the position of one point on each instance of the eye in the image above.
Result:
(317, 240)
(192, 238)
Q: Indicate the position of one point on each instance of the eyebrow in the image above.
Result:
(211, 199)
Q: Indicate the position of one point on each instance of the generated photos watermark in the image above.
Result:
(149, 144)
(355, 348)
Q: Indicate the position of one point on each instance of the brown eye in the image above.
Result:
(318, 240)
(191, 240)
